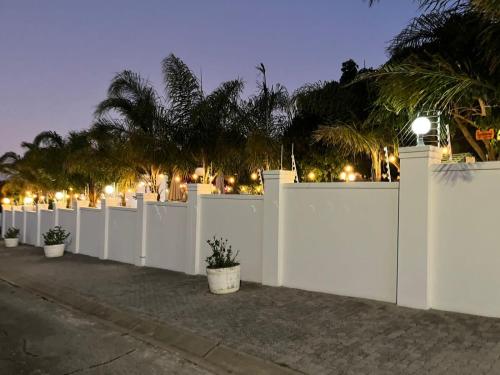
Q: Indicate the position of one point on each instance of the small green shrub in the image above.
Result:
(55, 236)
(222, 255)
(12, 233)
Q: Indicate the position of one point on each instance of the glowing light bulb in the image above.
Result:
(177, 179)
(109, 189)
(6, 200)
(231, 180)
(28, 200)
(194, 176)
(311, 176)
(351, 177)
(343, 176)
(254, 176)
(348, 168)
(59, 196)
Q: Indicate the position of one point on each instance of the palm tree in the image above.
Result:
(357, 138)
(206, 125)
(447, 61)
(143, 124)
(266, 116)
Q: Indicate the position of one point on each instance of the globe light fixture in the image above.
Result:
(27, 201)
(6, 200)
(348, 168)
(311, 176)
(254, 176)
(351, 177)
(231, 180)
(109, 189)
(420, 126)
(59, 196)
(177, 179)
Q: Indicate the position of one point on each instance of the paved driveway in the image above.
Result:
(315, 333)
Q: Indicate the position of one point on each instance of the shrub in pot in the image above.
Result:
(54, 242)
(11, 237)
(223, 271)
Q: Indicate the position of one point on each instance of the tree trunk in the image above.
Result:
(376, 166)
(470, 139)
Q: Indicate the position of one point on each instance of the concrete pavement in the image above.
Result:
(40, 337)
(309, 332)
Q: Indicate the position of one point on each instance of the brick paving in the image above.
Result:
(311, 332)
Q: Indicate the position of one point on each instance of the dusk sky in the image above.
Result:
(57, 57)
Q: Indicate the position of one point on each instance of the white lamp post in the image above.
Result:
(420, 126)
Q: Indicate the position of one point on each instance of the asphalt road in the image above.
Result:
(39, 337)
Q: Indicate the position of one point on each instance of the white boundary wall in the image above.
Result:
(122, 236)
(465, 261)
(32, 228)
(166, 235)
(92, 232)
(238, 218)
(67, 220)
(428, 242)
(47, 221)
(342, 238)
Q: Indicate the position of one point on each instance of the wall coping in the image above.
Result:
(464, 167)
(238, 197)
(90, 209)
(121, 208)
(168, 203)
(344, 185)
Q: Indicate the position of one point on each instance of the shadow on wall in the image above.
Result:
(450, 174)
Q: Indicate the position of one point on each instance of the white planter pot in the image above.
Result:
(224, 280)
(53, 251)
(11, 242)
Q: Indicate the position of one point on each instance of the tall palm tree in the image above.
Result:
(206, 125)
(143, 124)
(266, 116)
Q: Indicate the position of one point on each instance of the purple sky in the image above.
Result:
(57, 56)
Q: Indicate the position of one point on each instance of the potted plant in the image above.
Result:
(11, 237)
(223, 271)
(54, 242)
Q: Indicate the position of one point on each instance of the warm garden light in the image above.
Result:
(6, 201)
(392, 158)
(177, 179)
(420, 126)
(348, 168)
(231, 180)
(59, 196)
(254, 176)
(351, 177)
(311, 176)
(28, 200)
(109, 189)
(343, 176)
(194, 176)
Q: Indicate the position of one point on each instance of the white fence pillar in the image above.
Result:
(414, 225)
(142, 226)
(39, 208)
(193, 240)
(105, 212)
(273, 226)
(5, 208)
(23, 229)
(77, 205)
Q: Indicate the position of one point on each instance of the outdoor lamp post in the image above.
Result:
(420, 126)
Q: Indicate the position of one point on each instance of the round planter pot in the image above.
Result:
(53, 251)
(11, 242)
(224, 280)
